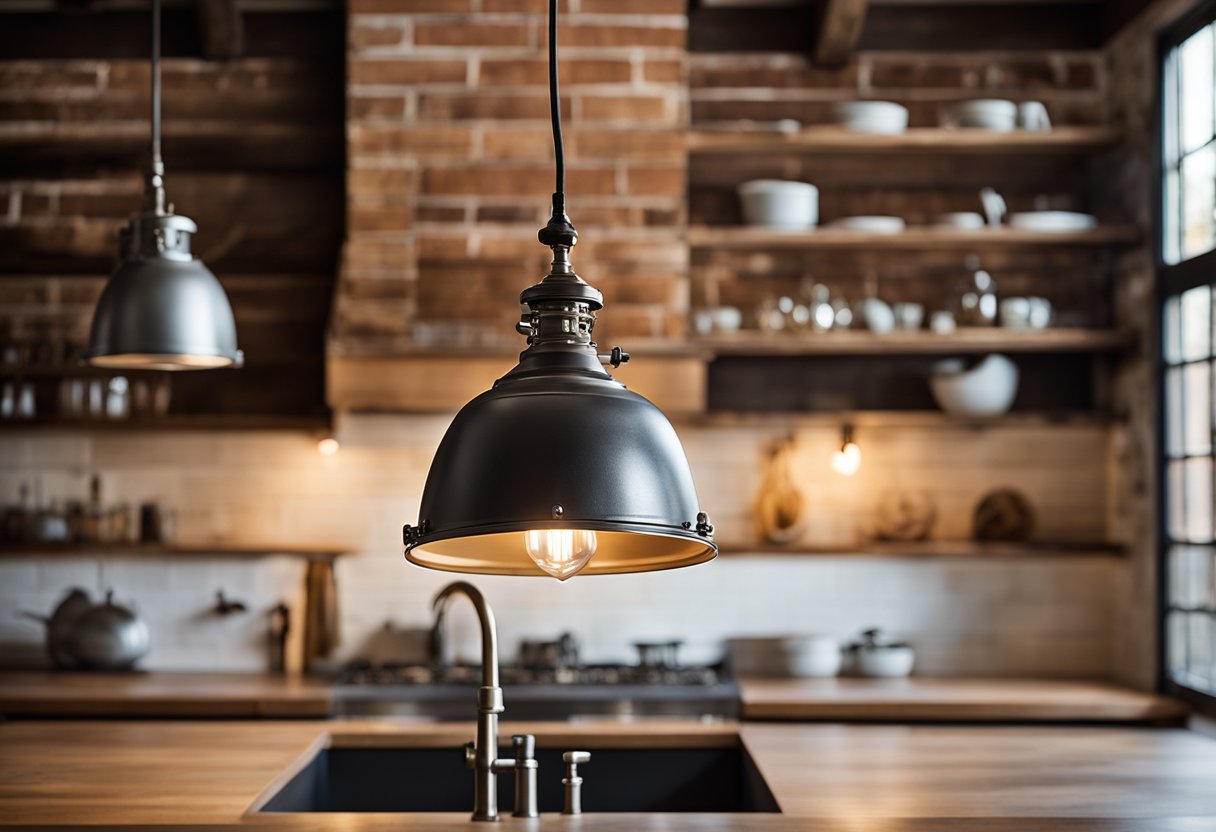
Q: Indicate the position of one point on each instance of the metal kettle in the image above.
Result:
(106, 636)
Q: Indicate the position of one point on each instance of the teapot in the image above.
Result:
(84, 635)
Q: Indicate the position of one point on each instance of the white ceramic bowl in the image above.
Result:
(884, 662)
(879, 117)
(780, 204)
(987, 389)
(983, 113)
(1053, 221)
(810, 656)
(870, 224)
(960, 220)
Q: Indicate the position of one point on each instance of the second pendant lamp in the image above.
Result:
(558, 469)
(162, 309)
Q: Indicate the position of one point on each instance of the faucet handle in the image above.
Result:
(573, 782)
(524, 745)
(470, 754)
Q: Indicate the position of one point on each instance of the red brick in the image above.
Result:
(387, 107)
(529, 181)
(664, 71)
(472, 34)
(634, 108)
(656, 181)
(627, 144)
(407, 6)
(379, 216)
(621, 36)
(506, 142)
(397, 182)
(372, 71)
(362, 253)
(745, 71)
(440, 213)
(672, 7)
(529, 6)
(442, 106)
(364, 35)
(418, 140)
(47, 75)
(535, 72)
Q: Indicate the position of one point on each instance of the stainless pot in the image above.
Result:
(103, 636)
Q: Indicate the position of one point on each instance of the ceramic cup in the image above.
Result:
(1032, 115)
(909, 316)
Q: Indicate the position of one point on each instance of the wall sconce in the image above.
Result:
(847, 460)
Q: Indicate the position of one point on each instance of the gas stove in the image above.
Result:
(442, 692)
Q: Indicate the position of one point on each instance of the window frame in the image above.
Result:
(1172, 280)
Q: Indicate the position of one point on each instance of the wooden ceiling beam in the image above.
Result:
(840, 26)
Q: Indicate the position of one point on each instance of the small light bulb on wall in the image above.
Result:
(847, 460)
(328, 446)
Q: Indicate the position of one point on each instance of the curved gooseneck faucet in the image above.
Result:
(482, 757)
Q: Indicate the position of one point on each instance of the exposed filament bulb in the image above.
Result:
(560, 552)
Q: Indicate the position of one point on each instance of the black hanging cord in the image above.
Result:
(156, 157)
(559, 231)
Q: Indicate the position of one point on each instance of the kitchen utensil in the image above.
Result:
(875, 655)
(810, 656)
(658, 654)
(1003, 514)
(995, 207)
(909, 316)
(982, 113)
(109, 637)
(984, 389)
(959, 221)
(877, 117)
(1052, 221)
(904, 516)
(781, 505)
(879, 316)
(942, 322)
(780, 204)
(60, 624)
(869, 224)
(1032, 116)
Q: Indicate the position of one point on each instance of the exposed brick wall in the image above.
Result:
(450, 167)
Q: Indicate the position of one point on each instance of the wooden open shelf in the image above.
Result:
(892, 419)
(183, 421)
(932, 549)
(741, 237)
(157, 550)
(963, 340)
(836, 140)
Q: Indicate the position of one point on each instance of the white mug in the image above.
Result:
(1032, 115)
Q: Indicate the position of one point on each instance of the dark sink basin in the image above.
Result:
(616, 780)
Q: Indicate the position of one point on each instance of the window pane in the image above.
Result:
(1199, 202)
(1195, 69)
(1174, 411)
(1196, 396)
(1196, 323)
(1199, 649)
(1175, 499)
(1191, 577)
(1171, 330)
(1198, 498)
(1176, 639)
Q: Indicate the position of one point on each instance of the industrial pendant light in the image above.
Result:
(161, 309)
(558, 469)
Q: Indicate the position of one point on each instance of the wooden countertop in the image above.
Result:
(830, 778)
(236, 695)
(171, 695)
(956, 700)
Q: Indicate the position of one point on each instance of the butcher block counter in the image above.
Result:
(162, 695)
(917, 699)
(823, 777)
(251, 695)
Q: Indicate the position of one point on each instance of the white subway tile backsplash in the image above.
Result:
(1000, 617)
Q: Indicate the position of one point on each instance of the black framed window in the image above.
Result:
(1187, 270)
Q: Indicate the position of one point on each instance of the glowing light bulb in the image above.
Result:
(847, 460)
(560, 552)
(328, 446)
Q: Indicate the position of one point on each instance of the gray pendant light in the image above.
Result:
(558, 469)
(161, 309)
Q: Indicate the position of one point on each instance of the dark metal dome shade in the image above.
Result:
(162, 309)
(559, 447)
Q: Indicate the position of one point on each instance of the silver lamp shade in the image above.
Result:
(162, 309)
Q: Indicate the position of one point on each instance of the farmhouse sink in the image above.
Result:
(660, 779)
